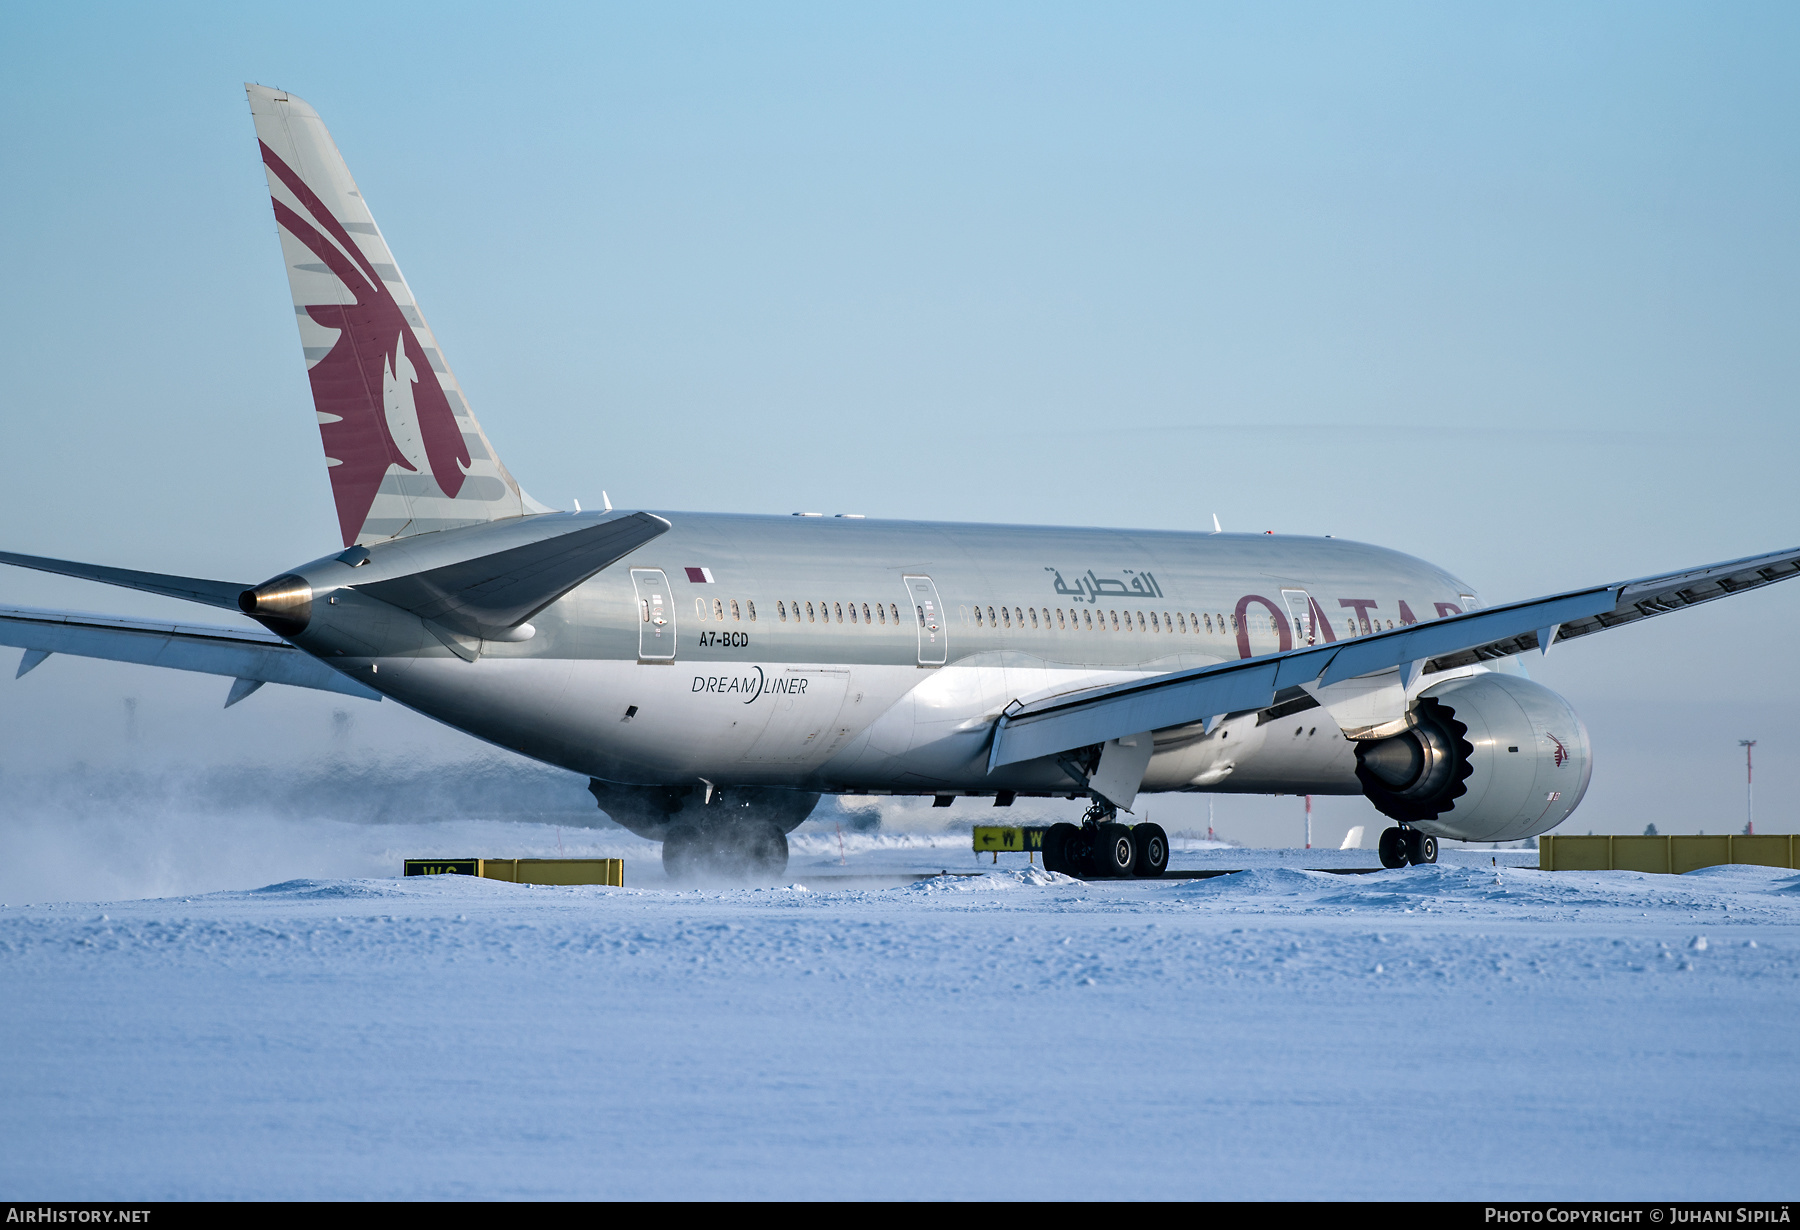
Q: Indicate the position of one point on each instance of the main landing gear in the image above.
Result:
(725, 851)
(1102, 848)
(1407, 845)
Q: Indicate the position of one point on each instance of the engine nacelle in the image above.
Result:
(1490, 757)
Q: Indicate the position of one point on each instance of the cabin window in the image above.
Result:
(781, 609)
(1034, 617)
(853, 612)
(1154, 626)
(920, 612)
(1087, 617)
(645, 604)
(1115, 620)
(1180, 619)
(993, 621)
(700, 608)
(840, 612)
(736, 614)
(1059, 618)
(978, 622)
(1141, 625)
(1390, 625)
(1019, 617)
(1006, 617)
(865, 612)
(751, 607)
(895, 608)
(809, 612)
(880, 612)
(718, 608)
(1350, 627)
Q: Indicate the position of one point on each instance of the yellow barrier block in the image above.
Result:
(1575, 853)
(1693, 853)
(1675, 853)
(1762, 849)
(605, 871)
(1640, 854)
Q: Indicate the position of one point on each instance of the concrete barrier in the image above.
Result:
(1672, 854)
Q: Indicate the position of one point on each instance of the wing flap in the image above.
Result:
(239, 653)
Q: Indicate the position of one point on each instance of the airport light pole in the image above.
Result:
(1309, 822)
(1749, 787)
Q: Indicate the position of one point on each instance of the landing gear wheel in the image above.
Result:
(1393, 847)
(1149, 850)
(765, 849)
(1060, 851)
(752, 850)
(1421, 848)
(1114, 854)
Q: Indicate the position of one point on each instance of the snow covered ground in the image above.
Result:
(1460, 1031)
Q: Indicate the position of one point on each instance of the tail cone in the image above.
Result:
(283, 606)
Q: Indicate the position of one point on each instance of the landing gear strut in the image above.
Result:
(1407, 845)
(1100, 847)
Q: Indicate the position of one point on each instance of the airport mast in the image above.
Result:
(1749, 787)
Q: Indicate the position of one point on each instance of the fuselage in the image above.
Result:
(864, 656)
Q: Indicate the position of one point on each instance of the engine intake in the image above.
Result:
(1490, 757)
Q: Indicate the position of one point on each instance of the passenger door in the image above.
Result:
(656, 615)
(1299, 608)
(934, 630)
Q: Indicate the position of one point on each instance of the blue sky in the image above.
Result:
(1512, 288)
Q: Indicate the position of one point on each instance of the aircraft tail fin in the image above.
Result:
(404, 451)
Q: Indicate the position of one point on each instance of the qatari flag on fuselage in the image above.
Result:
(700, 576)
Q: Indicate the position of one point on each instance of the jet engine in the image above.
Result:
(1489, 757)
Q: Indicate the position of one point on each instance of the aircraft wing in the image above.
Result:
(1079, 719)
(193, 589)
(251, 657)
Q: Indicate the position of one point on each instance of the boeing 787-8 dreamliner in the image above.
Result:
(714, 675)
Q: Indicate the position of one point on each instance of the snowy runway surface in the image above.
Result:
(1454, 1031)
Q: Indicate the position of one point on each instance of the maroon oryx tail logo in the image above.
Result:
(1561, 755)
(376, 351)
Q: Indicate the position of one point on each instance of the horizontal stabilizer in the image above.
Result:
(192, 589)
(251, 656)
(490, 594)
(1080, 719)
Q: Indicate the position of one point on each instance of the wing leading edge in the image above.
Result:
(1063, 723)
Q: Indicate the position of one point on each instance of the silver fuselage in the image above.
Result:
(864, 656)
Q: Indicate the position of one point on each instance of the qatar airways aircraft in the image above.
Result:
(714, 675)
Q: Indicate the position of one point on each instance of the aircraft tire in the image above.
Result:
(1149, 850)
(1114, 854)
(1421, 848)
(681, 847)
(765, 848)
(1059, 849)
(1393, 848)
